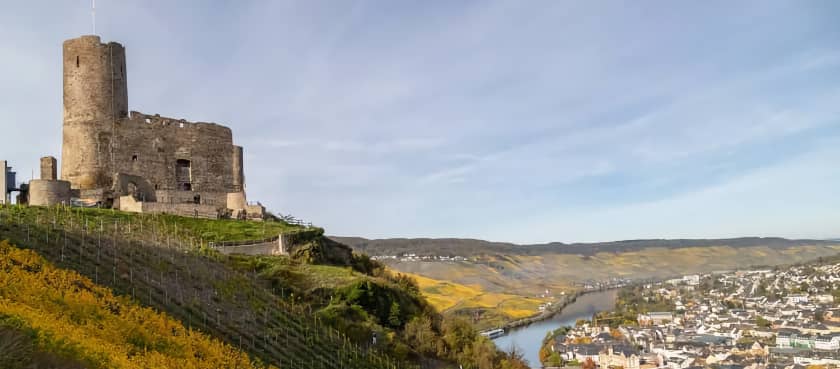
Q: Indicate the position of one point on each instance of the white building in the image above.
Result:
(797, 299)
(691, 280)
(828, 342)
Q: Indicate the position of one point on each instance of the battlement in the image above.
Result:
(156, 120)
(89, 40)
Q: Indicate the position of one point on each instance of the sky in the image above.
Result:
(520, 121)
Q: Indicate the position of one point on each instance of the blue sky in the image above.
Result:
(523, 121)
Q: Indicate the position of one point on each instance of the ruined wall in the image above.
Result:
(150, 146)
(217, 199)
(129, 185)
(128, 203)
(236, 200)
(47, 193)
(105, 151)
(48, 168)
(95, 97)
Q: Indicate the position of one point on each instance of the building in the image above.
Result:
(691, 280)
(791, 338)
(7, 182)
(655, 318)
(140, 162)
(797, 299)
(3, 183)
(619, 357)
(828, 342)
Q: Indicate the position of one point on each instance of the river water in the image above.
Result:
(529, 338)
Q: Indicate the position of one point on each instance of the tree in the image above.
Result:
(394, 315)
(555, 359)
(764, 323)
(819, 316)
(515, 359)
(458, 334)
(484, 354)
(418, 333)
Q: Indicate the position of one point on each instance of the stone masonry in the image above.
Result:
(48, 190)
(108, 153)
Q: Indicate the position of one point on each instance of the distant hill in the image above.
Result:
(494, 271)
(473, 247)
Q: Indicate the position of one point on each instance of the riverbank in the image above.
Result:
(528, 337)
(549, 312)
(555, 309)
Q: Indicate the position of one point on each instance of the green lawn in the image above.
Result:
(208, 230)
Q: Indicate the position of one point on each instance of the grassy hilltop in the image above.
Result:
(301, 311)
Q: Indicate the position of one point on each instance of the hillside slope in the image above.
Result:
(157, 261)
(64, 314)
(284, 311)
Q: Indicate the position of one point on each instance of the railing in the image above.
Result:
(294, 221)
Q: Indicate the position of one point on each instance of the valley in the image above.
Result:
(500, 282)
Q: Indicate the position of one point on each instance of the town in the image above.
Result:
(782, 318)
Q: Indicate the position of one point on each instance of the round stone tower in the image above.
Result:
(95, 99)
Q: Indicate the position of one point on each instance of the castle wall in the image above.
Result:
(150, 146)
(130, 185)
(217, 199)
(95, 97)
(128, 203)
(108, 153)
(47, 193)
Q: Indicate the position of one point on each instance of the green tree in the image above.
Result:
(418, 333)
(555, 359)
(761, 322)
(394, 315)
(819, 316)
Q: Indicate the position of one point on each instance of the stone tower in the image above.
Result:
(95, 99)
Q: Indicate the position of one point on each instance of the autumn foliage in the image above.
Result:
(68, 314)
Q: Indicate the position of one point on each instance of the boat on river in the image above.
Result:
(493, 333)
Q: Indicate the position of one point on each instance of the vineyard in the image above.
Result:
(163, 263)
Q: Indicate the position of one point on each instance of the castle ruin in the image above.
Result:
(134, 161)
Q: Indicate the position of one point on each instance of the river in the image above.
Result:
(529, 338)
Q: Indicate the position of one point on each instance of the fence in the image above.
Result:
(160, 266)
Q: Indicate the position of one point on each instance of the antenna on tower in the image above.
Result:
(93, 14)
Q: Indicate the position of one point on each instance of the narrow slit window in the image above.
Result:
(77, 61)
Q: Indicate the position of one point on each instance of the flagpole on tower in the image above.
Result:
(93, 14)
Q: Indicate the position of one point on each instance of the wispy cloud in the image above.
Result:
(450, 119)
